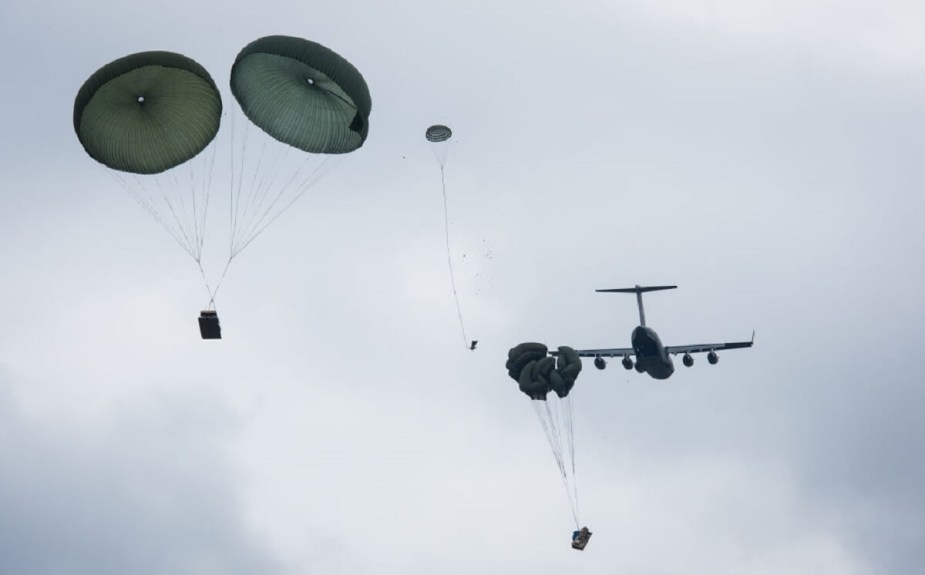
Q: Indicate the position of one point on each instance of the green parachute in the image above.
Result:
(305, 96)
(147, 112)
(537, 375)
(302, 94)
(438, 133)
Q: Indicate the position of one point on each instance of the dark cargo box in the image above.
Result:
(209, 326)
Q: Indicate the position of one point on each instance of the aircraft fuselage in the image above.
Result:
(651, 356)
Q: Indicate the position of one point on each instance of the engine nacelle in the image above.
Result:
(687, 360)
(712, 358)
(627, 363)
(599, 362)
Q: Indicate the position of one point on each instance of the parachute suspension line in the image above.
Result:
(187, 229)
(197, 230)
(162, 197)
(260, 187)
(261, 224)
(231, 212)
(551, 417)
(256, 195)
(554, 439)
(191, 216)
(440, 151)
(163, 182)
(149, 197)
(564, 413)
(205, 280)
(254, 206)
(213, 293)
(449, 256)
(250, 188)
(145, 200)
(201, 208)
(570, 439)
(176, 217)
(549, 430)
(218, 284)
(236, 193)
(556, 415)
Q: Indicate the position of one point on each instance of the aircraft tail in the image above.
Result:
(638, 290)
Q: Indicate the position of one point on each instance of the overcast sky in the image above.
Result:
(763, 156)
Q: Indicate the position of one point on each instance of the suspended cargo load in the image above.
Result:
(580, 539)
(209, 326)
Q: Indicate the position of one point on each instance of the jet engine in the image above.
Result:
(712, 358)
(688, 360)
(627, 362)
(599, 362)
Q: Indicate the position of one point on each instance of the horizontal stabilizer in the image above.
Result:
(637, 289)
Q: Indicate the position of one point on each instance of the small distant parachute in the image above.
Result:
(438, 133)
(537, 374)
(439, 137)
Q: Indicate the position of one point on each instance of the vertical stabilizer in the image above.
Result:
(638, 290)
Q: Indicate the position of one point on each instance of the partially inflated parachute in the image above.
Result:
(302, 94)
(308, 99)
(538, 374)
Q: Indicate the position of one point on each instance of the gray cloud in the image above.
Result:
(149, 489)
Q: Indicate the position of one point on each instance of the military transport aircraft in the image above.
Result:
(651, 356)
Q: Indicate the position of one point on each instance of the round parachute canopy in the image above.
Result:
(302, 94)
(438, 133)
(147, 112)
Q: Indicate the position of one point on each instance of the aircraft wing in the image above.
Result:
(707, 347)
(611, 352)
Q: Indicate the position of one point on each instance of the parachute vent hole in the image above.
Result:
(141, 99)
(310, 81)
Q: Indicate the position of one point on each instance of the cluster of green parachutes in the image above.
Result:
(148, 112)
(537, 373)
(145, 114)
